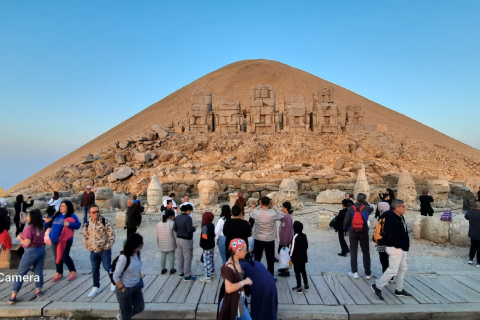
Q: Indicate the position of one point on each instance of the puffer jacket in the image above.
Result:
(166, 237)
(98, 235)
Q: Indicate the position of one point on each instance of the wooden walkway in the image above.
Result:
(331, 296)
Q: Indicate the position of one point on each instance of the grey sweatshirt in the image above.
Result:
(131, 276)
(265, 228)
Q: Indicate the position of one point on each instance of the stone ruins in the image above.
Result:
(263, 114)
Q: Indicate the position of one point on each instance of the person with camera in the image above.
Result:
(20, 217)
(265, 230)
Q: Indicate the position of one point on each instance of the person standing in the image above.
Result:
(5, 222)
(207, 243)
(468, 200)
(171, 196)
(232, 306)
(166, 241)
(53, 205)
(129, 281)
(286, 227)
(236, 227)
(349, 200)
(32, 240)
(382, 249)
(98, 238)
(21, 206)
(473, 217)
(184, 228)
(338, 226)
(133, 217)
(186, 200)
(87, 200)
(425, 203)
(478, 194)
(265, 230)
(299, 257)
(241, 202)
(355, 223)
(398, 244)
(57, 222)
(219, 236)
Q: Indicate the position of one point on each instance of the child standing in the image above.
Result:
(299, 257)
(166, 241)
(207, 243)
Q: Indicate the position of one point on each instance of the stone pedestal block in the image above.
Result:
(120, 220)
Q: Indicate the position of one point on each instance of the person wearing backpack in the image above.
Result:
(127, 275)
(355, 223)
(397, 245)
(98, 238)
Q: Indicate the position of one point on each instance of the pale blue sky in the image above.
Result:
(71, 70)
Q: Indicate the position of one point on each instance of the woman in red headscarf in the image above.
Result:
(241, 202)
(232, 306)
(207, 243)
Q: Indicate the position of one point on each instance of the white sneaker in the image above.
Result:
(368, 277)
(470, 261)
(112, 287)
(353, 275)
(94, 292)
(119, 316)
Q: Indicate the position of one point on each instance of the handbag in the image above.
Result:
(23, 218)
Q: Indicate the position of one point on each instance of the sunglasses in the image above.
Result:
(94, 212)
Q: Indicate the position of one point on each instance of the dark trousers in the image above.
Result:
(384, 260)
(131, 231)
(85, 214)
(269, 247)
(475, 249)
(343, 243)
(104, 257)
(131, 301)
(362, 238)
(426, 214)
(299, 268)
(65, 258)
(19, 228)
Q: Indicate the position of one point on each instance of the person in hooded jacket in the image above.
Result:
(207, 243)
(397, 245)
(299, 257)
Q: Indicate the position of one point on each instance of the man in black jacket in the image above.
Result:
(338, 226)
(397, 244)
(133, 217)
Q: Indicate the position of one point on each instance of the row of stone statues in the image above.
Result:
(262, 115)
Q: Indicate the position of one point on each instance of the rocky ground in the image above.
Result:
(323, 248)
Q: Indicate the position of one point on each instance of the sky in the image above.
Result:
(72, 70)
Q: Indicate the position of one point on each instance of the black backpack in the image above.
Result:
(114, 265)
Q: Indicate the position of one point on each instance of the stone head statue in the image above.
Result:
(406, 188)
(154, 192)
(362, 186)
(208, 190)
(439, 189)
(288, 191)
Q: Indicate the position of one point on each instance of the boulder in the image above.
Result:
(124, 144)
(151, 135)
(122, 174)
(291, 168)
(120, 158)
(435, 230)
(331, 196)
(103, 193)
(88, 159)
(142, 157)
(339, 164)
(439, 189)
(459, 231)
(162, 132)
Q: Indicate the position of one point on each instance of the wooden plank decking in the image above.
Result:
(331, 296)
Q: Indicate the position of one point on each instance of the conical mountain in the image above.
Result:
(233, 82)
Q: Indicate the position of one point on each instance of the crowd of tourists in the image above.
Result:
(242, 272)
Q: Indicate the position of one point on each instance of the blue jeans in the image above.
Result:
(246, 315)
(85, 214)
(221, 248)
(131, 301)
(33, 256)
(65, 258)
(105, 257)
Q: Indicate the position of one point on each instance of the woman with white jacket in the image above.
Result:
(166, 241)
(226, 215)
